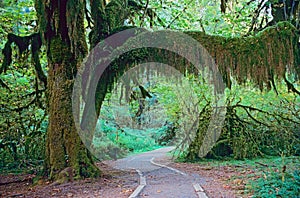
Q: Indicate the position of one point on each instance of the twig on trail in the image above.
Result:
(262, 164)
(241, 166)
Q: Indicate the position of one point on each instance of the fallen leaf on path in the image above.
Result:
(238, 181)
(126, 190)
(226, 186)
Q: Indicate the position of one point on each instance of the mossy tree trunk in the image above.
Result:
(61, 26)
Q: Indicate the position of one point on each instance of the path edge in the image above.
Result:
(140, 187)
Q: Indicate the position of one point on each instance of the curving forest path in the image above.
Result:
(151, 174)
(157, 179)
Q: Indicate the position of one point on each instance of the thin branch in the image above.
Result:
(290, 86)
(239, 13)
(254, 119)
(265, 165)
(179, 14)
(150, 12)
(202, 26)
(284, 10)
(144, 14)
(265, 112)
(260, 7)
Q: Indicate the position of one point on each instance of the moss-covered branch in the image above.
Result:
(23, 43)
(260, 58)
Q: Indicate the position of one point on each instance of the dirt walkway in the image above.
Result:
(159, 177)
(142, 161)
(167, 183)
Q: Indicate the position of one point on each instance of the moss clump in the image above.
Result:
(58, 51)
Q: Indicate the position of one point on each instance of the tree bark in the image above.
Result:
(61, 26)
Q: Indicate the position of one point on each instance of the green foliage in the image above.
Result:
(271, 185)
(203, 16)
(281, 178)
(163, 118)
(269, 126)
(23, 120)
(16, 17)
(112, 143)
(257, 123)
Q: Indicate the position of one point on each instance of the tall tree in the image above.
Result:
(61, 25)
(61, 30)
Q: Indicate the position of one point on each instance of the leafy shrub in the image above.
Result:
(272, 185)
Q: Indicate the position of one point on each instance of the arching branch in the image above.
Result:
(179, 14)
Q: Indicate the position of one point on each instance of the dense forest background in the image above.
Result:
(254, 43)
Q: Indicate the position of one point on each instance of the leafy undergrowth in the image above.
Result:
(261, 177)
(113, 142)
(23, 167)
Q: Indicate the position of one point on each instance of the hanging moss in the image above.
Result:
(39, 6)
(36, 45)
(100, 29)
(115, 13)
(76, 29)
(23, 43)
(259, 58)
(7, 52)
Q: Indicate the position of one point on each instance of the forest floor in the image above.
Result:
(218, 179)
(118, 184)
(113, 184)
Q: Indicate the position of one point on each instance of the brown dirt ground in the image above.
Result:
(221, 181)
(114, 184)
